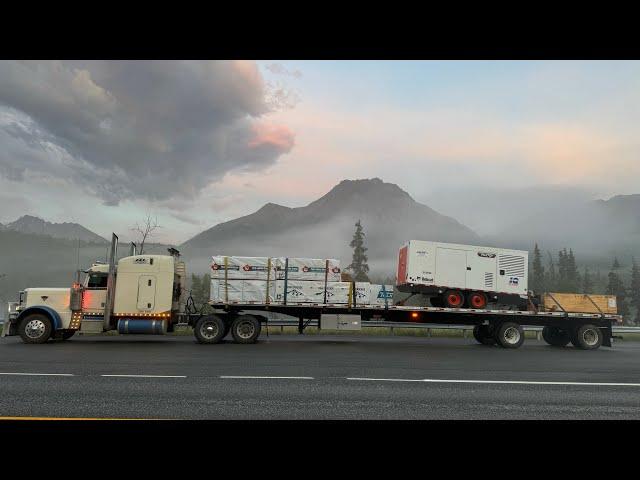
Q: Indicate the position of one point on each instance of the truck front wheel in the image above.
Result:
(555, 337)
(35, 328)
(245, 329)
(510, 335)
(209, 329)
(587, 337)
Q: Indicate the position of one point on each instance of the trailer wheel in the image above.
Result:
(245, 329)
(35, 328)
(587, 337)
(453, 299)
(477, 300)
(510, 335)
(555, 337)
(482, 335)
(209, 329)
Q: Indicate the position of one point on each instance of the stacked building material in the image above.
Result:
(242, 279)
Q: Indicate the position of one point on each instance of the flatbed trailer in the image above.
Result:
(502, 327)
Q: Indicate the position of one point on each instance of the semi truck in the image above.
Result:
(145, 294)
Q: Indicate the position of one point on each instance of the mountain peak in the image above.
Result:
(36, 225)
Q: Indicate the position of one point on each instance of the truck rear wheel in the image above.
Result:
(587, 337)
(209, 329)
(510, 335)
(453, 299)
(482, 335)
(555, 337)
(245, 329)
(35, 328)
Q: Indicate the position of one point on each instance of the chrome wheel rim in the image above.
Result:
(590, 337)
(209, 330)
(35, 328)
(511, 335)
(245, 330)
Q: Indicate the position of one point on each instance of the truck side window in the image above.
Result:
(97, 280)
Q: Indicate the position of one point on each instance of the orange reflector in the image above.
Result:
(414, 314)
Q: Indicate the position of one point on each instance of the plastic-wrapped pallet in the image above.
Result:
(313, 291)
(243, 291)
(308, 269)
(242, 268)
(377, 294)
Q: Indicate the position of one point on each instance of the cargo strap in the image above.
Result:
(326, 277)
(286, 278)
(268, 281)
(386, 301)
(226, 279)
(595, 305)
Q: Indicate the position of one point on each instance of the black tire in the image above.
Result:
(245, 329)
(66, 335)
(555, 336)
(448, 297)
(482, 334)
(588, 337)
(209, 329)
(35, 328)
(510, 335)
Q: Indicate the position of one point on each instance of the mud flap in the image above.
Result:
(608, 333)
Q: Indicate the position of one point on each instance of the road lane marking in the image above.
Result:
(75, 418)
(496, 382)
(39, 374)
(267, 378)
(146, 376)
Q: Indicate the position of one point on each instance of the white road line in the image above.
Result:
(147, 376)
(497, 382)
(39, 374)
(268, 378)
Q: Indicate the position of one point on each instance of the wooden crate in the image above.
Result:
(579, 303)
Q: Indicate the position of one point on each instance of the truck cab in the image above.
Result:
(136, 294)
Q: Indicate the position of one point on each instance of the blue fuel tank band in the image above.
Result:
(141, 326)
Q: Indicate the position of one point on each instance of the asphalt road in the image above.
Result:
(316, 377)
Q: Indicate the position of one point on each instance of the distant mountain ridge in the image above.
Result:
(66, 230)
(324, 227)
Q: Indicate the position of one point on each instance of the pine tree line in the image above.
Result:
(561, 274)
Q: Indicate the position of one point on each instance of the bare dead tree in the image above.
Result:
(145, 230)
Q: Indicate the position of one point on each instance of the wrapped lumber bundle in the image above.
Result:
(242, 268)
(307, 269)
(580, 303)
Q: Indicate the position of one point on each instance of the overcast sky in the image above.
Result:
(197, 143)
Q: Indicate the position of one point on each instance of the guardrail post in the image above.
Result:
(464, 333)
(281, 329)
(539, 335)
(391, 328)
(428, 332)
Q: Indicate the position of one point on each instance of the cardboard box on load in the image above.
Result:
(250, 291)
(378, 294)
(242, 268)
(580, 303)
(308, 269)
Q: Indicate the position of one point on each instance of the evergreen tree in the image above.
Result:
(587, 282)
(537, 279)
(634, 290)
(551, 277)
(562, 271)
(359, 265)
(573, 275)
(616, 287)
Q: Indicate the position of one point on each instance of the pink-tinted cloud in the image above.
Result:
(278, 136)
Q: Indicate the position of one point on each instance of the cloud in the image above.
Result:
(149, 130)
(279, 69)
